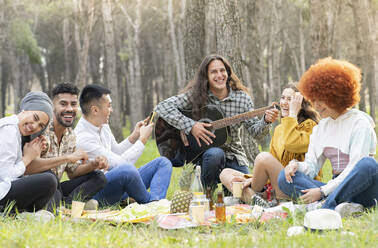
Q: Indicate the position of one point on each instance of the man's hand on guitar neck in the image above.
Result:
(199, 131)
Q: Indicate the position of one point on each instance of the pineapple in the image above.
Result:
(181, 199)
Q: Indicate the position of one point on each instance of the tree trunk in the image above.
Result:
(16, 79)
(180, 36)
(228, 34)
(82, 47)
(66, 44)
(175, 49)
(135, 83)
(254, 57)
(320, 33)
(211, 27)
(302, 54)
(365, 52)
(194, 36)
(111, 76)
(2, 38)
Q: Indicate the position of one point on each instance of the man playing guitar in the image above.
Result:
(216, 84)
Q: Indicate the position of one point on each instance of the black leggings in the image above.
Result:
(31, 193)
(81, 188)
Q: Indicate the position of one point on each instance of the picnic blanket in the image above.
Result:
(133, 213)
(240, 213)
(160, 211)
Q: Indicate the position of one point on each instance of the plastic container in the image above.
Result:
(199, 208)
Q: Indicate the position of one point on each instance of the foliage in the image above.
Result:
(23, 39)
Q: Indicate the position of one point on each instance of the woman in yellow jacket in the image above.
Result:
(290, 141)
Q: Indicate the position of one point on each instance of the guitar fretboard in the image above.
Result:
(238, 118)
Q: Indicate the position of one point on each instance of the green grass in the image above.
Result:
(59, 233)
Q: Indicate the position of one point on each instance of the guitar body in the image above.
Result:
(170, 144)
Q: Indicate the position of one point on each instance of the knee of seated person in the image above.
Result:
(100, 178)
(225, 173)
(50, 181)
(262, 157)
(163, 161)
(367, 164)
(127, 171)
(214, 153)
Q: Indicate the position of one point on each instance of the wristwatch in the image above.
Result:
(322, 195)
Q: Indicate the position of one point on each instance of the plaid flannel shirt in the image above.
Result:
(237, 102)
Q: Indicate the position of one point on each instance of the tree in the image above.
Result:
(194, 36)
(135, 81)
(2, 39)
(175, 48)
(320, 24)
(84, 15)
(365, 51)
(111, 76)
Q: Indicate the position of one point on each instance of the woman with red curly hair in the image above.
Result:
(345, 136)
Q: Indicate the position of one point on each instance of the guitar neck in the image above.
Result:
(238, 118)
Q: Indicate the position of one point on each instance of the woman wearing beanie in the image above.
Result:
(20, 144)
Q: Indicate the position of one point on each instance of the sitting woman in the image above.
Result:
(290, 141)
(33, 192)
(345, 136)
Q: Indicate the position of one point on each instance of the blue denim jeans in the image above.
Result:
(360, 186)
(213, 162)
(126, 180)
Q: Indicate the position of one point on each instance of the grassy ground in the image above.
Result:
(21, 233)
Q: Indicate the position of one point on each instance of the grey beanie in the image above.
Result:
(37, 101)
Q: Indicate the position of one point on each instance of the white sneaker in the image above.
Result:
(314, 205)
(349, 208)
(41, 216)
(92, 204)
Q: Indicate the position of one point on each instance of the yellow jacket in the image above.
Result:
(290, 141)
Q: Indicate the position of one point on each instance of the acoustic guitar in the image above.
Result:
(181, 148)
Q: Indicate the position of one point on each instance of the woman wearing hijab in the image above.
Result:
(20, 144)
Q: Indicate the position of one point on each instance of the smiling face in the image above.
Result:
(65, 108)
(31, 122)
(217, 77)
(285, 100)
(105, 109)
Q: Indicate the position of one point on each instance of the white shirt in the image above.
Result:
(99, 141)
(351, 133)
(11, 165)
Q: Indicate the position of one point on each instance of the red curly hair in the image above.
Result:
(334, 82)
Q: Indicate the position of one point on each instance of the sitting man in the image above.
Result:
(61, 154)
(123, 179)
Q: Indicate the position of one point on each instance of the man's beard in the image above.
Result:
(65, 124)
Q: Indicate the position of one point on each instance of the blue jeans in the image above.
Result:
(126, 180)
(213, 162)
(360, 186)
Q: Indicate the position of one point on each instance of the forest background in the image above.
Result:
(147, 50)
